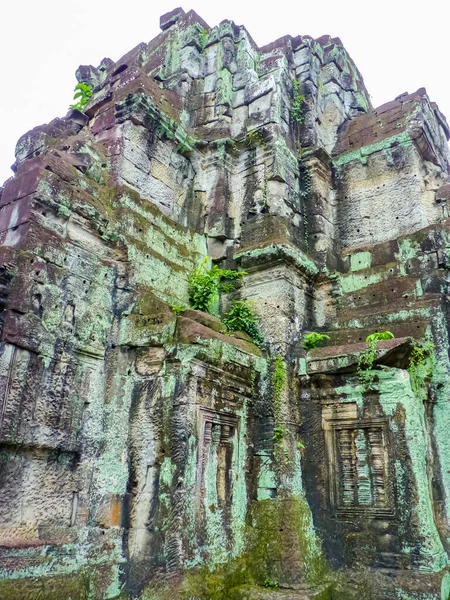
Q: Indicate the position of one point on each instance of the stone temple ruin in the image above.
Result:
(145, 452)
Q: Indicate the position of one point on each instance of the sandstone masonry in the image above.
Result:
(149, 454)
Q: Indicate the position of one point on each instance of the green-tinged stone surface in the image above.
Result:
(148, 453)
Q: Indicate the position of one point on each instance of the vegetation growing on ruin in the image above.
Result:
(232, 146)
(305, 179)
(258, 67)
(165, 130)
(378, 336)
(365, 364)
(271, 583)
(421, 363)
(241, 317)
(278, 385)
(272, 524)
(304, 193)
(82, 93)
(254, 138)
(279, 433)
(204, 285)
(298, 100)
(367, 358)
(178, 309)
(203, 39)
(169, 130)
(314, 340)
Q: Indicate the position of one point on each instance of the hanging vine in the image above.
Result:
(421, 364)
(304, 192)
(365, 363)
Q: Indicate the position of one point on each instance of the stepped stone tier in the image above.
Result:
(148, 453)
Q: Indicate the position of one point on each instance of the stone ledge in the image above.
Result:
(332, 359)
(192, 332)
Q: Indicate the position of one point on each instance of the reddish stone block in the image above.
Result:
(14, 238)
(170, 18)
(15, 213)
(22, 185)
(104, 120)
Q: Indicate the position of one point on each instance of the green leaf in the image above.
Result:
(379, 335)
(314, 340)
(82, 92)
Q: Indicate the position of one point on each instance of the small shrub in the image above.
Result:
(314, 340)
(178, 309)
(378, 336)
(241, 317)
(367, 358)
(183, 148)
(203, 39)
(298, 100)
(278, 384)
(165, 130)
(421, 364)
(257, 62)
(254, 138)
(232, 145)
(82, 93)
(204, 285)
(279, 433)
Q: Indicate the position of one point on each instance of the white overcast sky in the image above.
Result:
(397, 45)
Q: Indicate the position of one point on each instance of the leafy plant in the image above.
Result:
(82, 93)
(379, 336)
(241, 317)
(314, 340)
(306, 232)
(165, 130)
(278, 385)
(298, 100)
(279, 433)
(304, 193)
(232, 145)
(305, 180)
(367, 358)
(421, 363)
(257, 61)
(204, 285)
(254, 138)
(183, 148)
(178, 309)
(203, 39)
(365, 364)
(268, 583)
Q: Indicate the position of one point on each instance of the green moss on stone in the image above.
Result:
(280, 544)
(395, 393)
(68, 587)
(402, 139)
(296, 255)
(360, 260)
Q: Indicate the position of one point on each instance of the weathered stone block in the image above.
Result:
(141, 444)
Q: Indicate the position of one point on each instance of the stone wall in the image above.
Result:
(145, 451)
